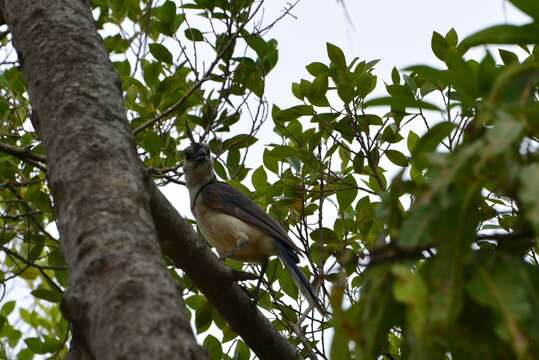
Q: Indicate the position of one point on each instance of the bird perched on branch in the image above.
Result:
(235, 225)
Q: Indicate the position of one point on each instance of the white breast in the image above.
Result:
(225, 231)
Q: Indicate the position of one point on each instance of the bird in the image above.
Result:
(237, 227)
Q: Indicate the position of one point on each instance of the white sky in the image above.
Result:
(395, 31)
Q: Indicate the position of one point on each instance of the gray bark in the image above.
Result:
(122, 302)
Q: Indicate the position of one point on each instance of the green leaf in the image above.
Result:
(151, 71)
(365, 84)
(161, 53)
(439, 46)
(213, 346)
(296, 90)
(255, 83)
(13, 336)
(529, 194)
(370, 120)
(162, 28)
(347, 192)
(152, 143)
(305, 88)
(3, 321)
(410, 82)
(430, 141)
(391, 134)
(397, 158)
(336, 56)
(412, 140)
(530, 7)
(259, 178)
(242, 352)
(415, 228)
(346, 92)
(270, 161)
(359, 162)
(504, 134)
(503, 34)
(288, 285)
(46, 294)
(432, 74)
(50, 345)
(220, 170)
(293, 113)
(410, 289)
(269, 60)
(35, 345)
(123, 68)
(239, 141)
(452, 38)
(508, 57)
(283, 152)
(345, 156)
(233, 158)
(203, 318)
(324, 235)
(339, 347)
(194, 34)
(401, 102)
(504, 284)
(7, 308)
(257, 43)
(116, 44)
(319, 87)
(317, 68)
(167, 13)
(375, 314)
(395, 76)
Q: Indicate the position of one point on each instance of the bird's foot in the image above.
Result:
(240, 245)
(239, 275)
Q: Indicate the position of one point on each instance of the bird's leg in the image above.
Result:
(240, 244)
(263, 268)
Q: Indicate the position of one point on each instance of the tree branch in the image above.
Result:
(516, 235)
(392, 252)
(24, 155)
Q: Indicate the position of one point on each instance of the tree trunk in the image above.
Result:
(121, 301)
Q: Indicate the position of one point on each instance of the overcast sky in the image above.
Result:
(395, 31)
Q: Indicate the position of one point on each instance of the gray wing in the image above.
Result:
(227, 199)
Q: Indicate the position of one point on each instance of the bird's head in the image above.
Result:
(197, 163)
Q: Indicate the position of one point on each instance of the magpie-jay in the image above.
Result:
(237, 227)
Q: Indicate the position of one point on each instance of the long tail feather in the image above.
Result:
(299, 278)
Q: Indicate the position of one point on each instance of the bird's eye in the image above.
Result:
(188, 153)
